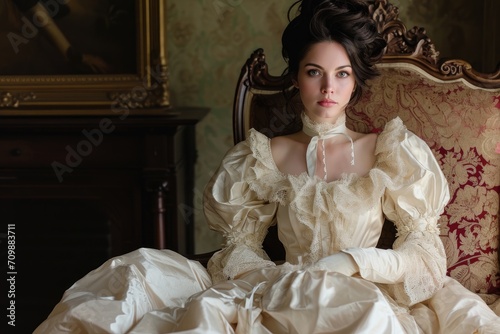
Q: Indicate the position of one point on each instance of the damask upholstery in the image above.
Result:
(461, 124)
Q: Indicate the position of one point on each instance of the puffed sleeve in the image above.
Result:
(414, 200)
(234, 209)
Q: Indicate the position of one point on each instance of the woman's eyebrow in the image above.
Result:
(319, 66)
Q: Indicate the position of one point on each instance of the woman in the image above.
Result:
(329, 189)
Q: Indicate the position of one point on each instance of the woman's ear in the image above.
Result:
(295, 83)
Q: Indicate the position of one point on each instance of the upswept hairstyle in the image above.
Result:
(346, 22)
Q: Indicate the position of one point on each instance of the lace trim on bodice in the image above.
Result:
(316, 202)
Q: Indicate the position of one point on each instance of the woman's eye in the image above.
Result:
(343, 74)
(313, 72)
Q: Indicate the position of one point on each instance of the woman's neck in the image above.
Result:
(313, 128)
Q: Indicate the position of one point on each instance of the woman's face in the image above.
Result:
(325, 81)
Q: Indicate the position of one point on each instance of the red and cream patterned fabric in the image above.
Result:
(461, 124)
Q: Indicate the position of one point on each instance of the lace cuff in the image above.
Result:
(426, 274)
(418, 225)
(253, 240)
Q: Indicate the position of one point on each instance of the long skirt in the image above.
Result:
(160, 291)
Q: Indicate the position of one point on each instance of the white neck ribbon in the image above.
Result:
(322, 131)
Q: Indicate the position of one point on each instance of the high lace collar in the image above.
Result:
(312, 128)
(322, 131)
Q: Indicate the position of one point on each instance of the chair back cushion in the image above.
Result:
(461, 124)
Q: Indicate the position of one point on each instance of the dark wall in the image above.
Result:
(463, 29)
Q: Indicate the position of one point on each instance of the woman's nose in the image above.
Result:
(327, 87)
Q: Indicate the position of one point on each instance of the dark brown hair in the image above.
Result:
(346, 22)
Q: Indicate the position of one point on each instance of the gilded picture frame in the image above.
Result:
(83, 57)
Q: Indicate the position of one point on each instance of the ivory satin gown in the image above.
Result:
(160, 291)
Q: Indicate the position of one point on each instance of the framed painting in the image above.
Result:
(82, 56)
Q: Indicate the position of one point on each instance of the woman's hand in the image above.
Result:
(342, 263)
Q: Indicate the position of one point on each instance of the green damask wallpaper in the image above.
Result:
(209, 40)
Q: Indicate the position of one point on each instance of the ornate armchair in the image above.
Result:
(454, 108)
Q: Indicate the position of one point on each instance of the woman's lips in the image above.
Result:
(327, 103)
